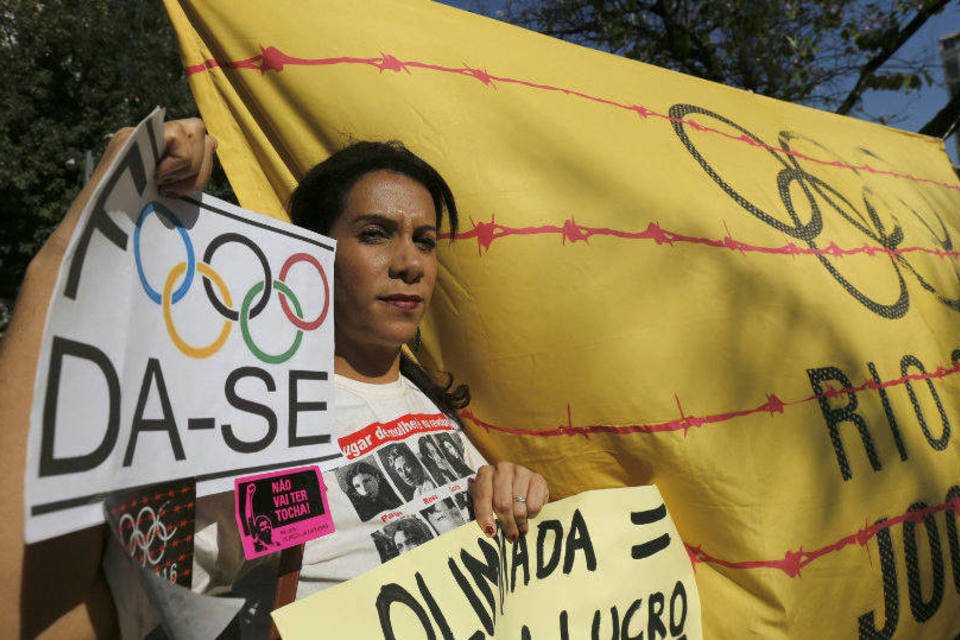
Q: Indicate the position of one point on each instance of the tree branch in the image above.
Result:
(946, 120)
(887, 52)
(698, 49)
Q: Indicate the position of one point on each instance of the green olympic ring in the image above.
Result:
(245, 328)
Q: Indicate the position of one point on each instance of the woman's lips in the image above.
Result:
(403, 302)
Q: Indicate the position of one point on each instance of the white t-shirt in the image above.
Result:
(403, 481)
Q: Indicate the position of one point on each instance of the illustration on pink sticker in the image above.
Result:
(281, 509)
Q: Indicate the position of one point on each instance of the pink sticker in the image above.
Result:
(281, 509)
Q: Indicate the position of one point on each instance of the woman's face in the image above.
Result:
(366, 485)
(404, 541)
(386, 264)
(406, 471)
(432, 452)
(451, 449)
(445, 518)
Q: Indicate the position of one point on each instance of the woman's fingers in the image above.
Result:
(503, 480)
(187, 163)
(483, 500)
(537, 495)
(513, 493)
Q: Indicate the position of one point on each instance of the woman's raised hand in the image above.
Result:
(188, 160)
(512, 492)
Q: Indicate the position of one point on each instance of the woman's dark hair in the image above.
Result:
(319, 200)
(448, 398)
(413, 528)
(361, 467)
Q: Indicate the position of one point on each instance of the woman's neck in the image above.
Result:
(373, 364)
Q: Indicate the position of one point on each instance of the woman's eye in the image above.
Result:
(372, 235)
(426, 243)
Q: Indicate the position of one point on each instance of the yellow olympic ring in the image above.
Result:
(213, 347)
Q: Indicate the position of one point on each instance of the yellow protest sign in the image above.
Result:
(657, 279)
(603, 562)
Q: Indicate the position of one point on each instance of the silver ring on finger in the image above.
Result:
(519, 499)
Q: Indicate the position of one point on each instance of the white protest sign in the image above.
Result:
(602, 564)
(184, 339)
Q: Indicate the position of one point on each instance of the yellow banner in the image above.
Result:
(658, 279)
(607, 563)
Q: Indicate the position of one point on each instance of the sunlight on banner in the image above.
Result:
(751, 303)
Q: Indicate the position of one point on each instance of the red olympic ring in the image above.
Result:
(302, 324)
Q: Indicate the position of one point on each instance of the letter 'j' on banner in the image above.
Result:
(185, 339)
(753, 304)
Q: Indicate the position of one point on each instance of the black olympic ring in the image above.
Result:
(223, 309)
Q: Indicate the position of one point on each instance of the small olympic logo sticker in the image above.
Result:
(140, 544)
(219, 295)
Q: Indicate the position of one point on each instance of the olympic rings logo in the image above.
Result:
(140, 544)
(252, 304)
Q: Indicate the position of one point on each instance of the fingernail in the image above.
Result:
(490, 530)
(513, 537)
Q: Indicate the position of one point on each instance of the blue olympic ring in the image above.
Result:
(163, 212)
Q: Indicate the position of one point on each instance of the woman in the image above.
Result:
(384, 206)
(438, 466)
(444, 516)
(409, 535)
(407, 472)
(367, 489)
(454, 450)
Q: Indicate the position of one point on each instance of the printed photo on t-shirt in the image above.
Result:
(367, 488)
(436, 463)
(452, 447)
(399, 536)
(405, 470)
(443, 516)
(465, 504)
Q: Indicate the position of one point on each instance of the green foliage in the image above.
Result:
(894, 81)
(74, 72)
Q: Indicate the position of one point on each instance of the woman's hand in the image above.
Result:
(513, 493)
(185, 167)
(188, 160)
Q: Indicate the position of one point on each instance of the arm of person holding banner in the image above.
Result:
(57, 586)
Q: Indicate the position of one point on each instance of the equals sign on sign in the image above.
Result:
(650, 516)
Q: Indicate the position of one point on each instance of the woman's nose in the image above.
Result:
(407, 262)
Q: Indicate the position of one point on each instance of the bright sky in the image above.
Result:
(920, 108)
(915, 109)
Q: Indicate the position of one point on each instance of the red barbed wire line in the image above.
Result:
(273, 59)
(570, 231)
(773, 405)
(793, 562)
(170, 493)
(169, 561)
(683, 423)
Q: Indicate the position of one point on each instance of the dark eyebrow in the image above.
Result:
(376, 218)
